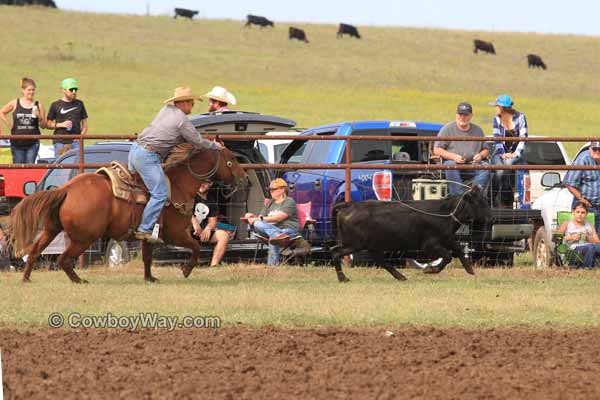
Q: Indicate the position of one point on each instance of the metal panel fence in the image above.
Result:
(81, 165)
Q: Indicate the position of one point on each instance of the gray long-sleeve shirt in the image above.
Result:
(169, 128)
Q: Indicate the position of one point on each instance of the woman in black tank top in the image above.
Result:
(28, 115)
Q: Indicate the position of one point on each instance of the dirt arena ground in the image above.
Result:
(332, 363)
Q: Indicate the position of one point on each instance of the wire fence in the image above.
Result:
(427, 166)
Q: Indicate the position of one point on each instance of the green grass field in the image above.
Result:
(127, 65)
(293, 296)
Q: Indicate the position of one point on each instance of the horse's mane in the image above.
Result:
(180, 154)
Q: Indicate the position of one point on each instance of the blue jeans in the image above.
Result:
(266, 229)
(58, 147)
(25, 155)
(481, 177)
(502, 175)
(147, 164)
(588, 252)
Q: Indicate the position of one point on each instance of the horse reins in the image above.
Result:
(209, 174)
(183, 208)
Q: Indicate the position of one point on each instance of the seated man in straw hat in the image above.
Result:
(218, 99)
(169, 128)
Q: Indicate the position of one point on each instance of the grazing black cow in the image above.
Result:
(296, 33)
(185, 13)
(347, 29)
(258, 20)
(482, 45)
(427, 226)
(45, 3)
(535, 61)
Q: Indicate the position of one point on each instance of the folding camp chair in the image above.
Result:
(563, 255)
(294, 246)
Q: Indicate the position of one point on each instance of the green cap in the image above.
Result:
(69, 83)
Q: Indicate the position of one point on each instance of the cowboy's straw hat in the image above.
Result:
(182, 93)
(221, 94)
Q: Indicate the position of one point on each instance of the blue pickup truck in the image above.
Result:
(492, 244)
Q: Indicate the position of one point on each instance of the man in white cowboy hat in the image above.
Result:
(219, 98)
(169, 128)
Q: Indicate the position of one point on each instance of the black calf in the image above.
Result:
(427, 226)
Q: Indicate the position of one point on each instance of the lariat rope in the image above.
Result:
(451, 215)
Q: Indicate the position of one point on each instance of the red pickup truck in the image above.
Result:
(11, 184)
(12, 180)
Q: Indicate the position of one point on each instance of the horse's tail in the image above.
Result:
(27, 216)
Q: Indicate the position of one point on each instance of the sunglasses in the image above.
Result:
(73, 90)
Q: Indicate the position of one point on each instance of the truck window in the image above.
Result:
(317, 150)
(410, 148)
(264, 152)
(278, 150)
(59, 177)
(541, 153)
(370, 150)
(295, 158)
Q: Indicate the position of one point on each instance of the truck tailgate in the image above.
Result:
(510, 215)
(15, 178)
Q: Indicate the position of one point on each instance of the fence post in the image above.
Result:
(81, 156)
(347, 193)
(81, 170)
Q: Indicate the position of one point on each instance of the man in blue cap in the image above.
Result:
(67, 116)
(455, 152)
(585, 185)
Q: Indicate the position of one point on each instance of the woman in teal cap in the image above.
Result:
(28, 117)
(67, 116)
(508, 122)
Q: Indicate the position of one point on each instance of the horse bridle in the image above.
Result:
(212, 172)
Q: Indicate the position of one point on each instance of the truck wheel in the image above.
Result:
(117, 253)
(542, 255)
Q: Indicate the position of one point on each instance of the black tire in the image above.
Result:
(542, 254)
(117, 254)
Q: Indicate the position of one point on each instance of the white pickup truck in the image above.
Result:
(555, 198)
(529, 183)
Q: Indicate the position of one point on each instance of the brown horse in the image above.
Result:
(86, 210)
